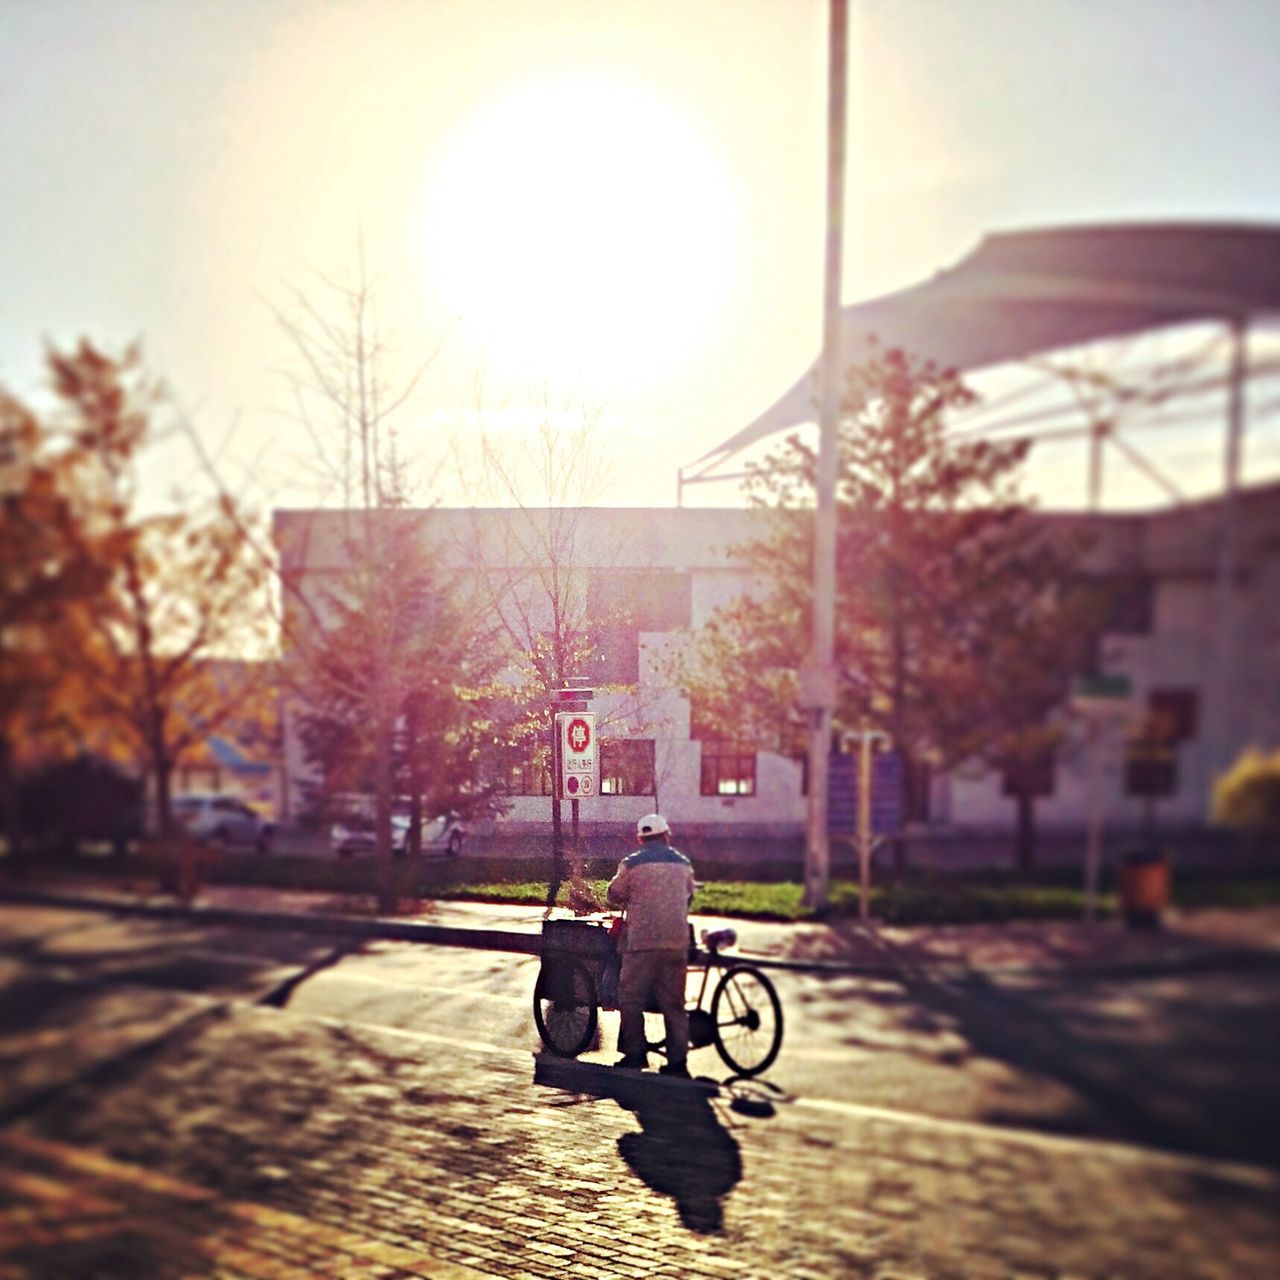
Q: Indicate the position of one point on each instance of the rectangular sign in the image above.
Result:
(886, 794)
(579, 755)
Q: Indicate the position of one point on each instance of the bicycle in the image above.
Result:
(579, 976)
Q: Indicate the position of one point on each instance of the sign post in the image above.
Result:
(574, 750)
(866, 800)
(1101, 700)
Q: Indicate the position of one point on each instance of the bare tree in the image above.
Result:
(527, 570)
(368, 652)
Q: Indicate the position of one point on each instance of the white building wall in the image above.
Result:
(1178, 549)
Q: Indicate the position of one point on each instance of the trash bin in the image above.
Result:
(1144, 887)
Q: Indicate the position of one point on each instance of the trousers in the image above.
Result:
(660, 975)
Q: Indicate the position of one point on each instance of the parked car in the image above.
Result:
(223, 820)
(354, 833)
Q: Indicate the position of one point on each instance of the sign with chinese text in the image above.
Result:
(579, 756)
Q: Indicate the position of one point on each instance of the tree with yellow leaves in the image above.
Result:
(132, 658)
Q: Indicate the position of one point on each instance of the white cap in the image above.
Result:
(652, 824)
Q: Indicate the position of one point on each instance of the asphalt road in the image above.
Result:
(1183, 1064)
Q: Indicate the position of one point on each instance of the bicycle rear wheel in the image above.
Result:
(564, 1007)
(746, 1020)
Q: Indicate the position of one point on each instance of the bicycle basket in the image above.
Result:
(587, 939)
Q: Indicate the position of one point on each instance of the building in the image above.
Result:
(1202, 656)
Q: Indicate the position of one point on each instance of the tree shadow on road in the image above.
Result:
(1173, 1070)
(681, 1150)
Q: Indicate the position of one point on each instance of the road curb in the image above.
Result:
(524, 942)
(337, 925)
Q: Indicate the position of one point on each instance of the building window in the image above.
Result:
(627, 767)
(1172, 715)
(1129, 605)
(728, 768)
(623, 603)
(1151, 755)
(919, 788)
(527, 771)
(1031, 774)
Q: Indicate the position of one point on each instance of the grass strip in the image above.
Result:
(922, 898)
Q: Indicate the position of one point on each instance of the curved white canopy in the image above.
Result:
(1022, 293)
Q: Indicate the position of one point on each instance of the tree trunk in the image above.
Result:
(897, 732)
(898, 655)
(162, 776)
(413, 838)
(11, 803)
(1026, 847)
(387, 896)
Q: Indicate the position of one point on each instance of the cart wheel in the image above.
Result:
(747, 1020)
(564, 1007)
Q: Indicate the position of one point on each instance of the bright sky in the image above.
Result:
(616, 201)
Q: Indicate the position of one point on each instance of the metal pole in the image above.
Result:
(1097, 433)
(1093, 847)
(1223, 659)
(557, 785)
(819, 693)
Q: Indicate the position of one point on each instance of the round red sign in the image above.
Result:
(578, 735)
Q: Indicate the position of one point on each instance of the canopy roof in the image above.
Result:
(1022, 293)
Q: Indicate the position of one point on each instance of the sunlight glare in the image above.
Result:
(580, 228)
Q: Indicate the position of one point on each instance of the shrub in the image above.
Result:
(85, 798)
(1247, 796)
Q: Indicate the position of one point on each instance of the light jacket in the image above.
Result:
(655, 885)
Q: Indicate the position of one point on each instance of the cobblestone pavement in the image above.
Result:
(255, 1144)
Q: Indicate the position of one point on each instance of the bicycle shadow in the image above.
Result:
(682, 1150)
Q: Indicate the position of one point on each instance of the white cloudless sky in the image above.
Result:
(622, 201)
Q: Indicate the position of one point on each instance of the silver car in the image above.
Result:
(355, 834)
(223, 820)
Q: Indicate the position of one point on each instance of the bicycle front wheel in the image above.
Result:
(564, 1007)
(746, 1020)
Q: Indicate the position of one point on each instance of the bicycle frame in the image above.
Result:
(734, 1004)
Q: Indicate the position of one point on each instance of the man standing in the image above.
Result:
(655, 885)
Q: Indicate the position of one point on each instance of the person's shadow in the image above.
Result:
(682, 1150)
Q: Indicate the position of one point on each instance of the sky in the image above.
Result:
(596, 211)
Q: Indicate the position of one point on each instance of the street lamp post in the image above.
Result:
(818, 680)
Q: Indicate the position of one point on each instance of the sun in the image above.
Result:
(581, 228)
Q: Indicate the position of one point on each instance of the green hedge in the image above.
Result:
(923, 898)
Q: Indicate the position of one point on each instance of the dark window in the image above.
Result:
(621, 604)
(1151, 755)
(1128, 603)
(1172, 715)
(1030, 775)
(919, 787)
(615, 657)
(1150, 768)
(627, 767)
(728, 768)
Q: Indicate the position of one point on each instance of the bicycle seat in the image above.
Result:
(719, 939)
